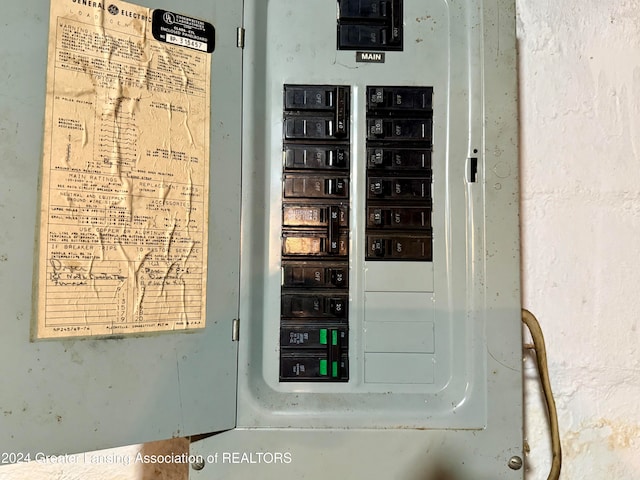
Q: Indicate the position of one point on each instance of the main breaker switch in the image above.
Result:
(370, 25)
(365, 37)
(364, 9)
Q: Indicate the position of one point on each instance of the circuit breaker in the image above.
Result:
(315, 233)
(341, 297)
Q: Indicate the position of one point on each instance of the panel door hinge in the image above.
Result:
(235, 330)
(240, 37)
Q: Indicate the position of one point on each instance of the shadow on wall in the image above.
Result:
(165, 471)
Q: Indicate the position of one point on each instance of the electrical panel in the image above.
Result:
(362, 281)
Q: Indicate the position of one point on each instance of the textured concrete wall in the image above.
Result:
(580, 164)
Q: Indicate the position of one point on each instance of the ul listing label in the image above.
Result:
(181, 30)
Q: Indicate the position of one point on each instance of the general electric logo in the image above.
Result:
(169, 18)
(113, 10)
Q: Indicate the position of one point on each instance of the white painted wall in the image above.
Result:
(134, 462)
(89, 466)
(580, 165)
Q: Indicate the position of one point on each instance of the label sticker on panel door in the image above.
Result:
(181, 30)
(125, 178)
(370, 57)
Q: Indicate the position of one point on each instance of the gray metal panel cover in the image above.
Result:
(79, 395)
(367, 440)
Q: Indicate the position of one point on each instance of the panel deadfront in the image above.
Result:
(371, 242)
(364, 279)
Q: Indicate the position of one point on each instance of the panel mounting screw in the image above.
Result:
(515, 463)
(198, 465)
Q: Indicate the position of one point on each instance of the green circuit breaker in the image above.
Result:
(291, 224)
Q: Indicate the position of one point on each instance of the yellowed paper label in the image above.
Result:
(123, 233)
